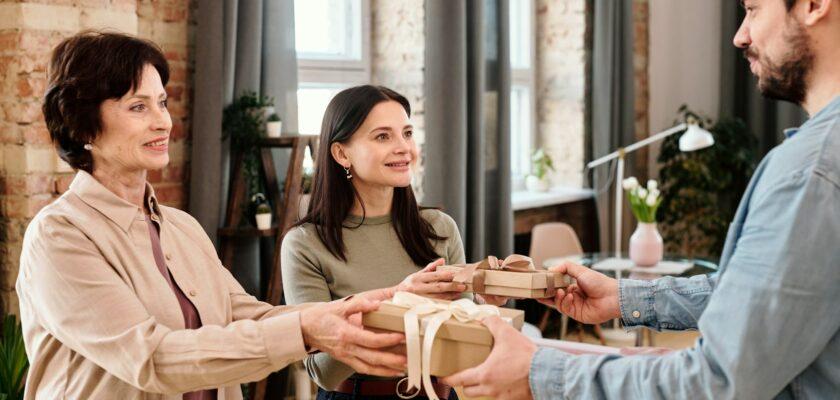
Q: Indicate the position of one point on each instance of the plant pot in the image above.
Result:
(534, 184)
(263, 221)
(272, 129)
(646, 248)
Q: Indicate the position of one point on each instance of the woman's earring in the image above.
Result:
(88, 146)
(347, 172)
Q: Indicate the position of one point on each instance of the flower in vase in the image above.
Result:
(643, 201)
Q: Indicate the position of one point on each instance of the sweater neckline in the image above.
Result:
(368, 220)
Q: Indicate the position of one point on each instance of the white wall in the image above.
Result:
(685, 46)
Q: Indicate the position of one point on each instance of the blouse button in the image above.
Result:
(193, 293)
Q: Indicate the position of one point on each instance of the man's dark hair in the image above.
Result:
(85, 70)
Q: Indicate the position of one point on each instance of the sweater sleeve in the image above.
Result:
(304, 282)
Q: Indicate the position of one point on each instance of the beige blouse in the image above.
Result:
(101, 322)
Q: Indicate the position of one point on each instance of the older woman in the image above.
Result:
(123, 298)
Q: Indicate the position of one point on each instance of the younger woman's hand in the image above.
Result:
(430, 282)
(491, 299)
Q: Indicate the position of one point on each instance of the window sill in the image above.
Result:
(523, 199)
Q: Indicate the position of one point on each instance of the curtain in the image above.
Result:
(467, 119)
(613, 113)
(765, 118)
(246, 45)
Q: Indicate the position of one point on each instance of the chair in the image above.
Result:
(555, 239)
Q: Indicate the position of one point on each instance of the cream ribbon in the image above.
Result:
(434, 314)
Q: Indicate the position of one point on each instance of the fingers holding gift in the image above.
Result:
(432, 266)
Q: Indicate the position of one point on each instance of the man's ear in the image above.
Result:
(339, 154)
(815, 10)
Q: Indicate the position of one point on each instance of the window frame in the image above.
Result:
(527, 77)
(341, 71)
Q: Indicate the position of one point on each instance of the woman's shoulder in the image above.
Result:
(299, 237)
(441, 221)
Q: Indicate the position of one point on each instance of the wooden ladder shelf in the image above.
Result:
(285, 214)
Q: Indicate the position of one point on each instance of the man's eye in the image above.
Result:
(164, 104)
(138, 107)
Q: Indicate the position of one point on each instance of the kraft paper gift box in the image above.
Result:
(459, 342)
(515, 277)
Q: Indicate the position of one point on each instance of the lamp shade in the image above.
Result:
(695, 138)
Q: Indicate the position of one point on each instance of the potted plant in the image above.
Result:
(263, 217)
(646, 246)
(273, 126)
(261, 211)
(541, 163)
(13, 361)
(244, 123)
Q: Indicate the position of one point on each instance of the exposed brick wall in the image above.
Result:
(398, 46)
(31, 174)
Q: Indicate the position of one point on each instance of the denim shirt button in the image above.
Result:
(636, 314)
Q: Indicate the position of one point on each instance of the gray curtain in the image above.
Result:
(240, 46)
(765, 118)
(613, 113)
(467, 148)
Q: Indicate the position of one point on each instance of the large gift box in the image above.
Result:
(515, 276)
(442, 337)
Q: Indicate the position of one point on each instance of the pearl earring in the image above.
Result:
(347, 172)
(88, 146)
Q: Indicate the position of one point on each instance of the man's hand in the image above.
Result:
(504, 375)
(335, 328)
(592, 299)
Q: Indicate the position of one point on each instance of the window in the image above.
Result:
(332, 39)
(523, 91)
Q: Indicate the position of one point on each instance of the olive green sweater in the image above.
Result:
(375, 259)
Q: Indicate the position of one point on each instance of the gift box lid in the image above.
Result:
(525, 280)
(390, 317)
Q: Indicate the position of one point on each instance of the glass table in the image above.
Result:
(620, 266)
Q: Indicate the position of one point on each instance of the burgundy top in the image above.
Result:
(191, 317)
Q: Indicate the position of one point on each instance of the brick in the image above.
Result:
(169, 194)
(104, 18)
(32, 62)
(31, 86)
(9, 41)
(25, 112)
(38, 201)
(9, 16)
(36, 133)
(40, 159)
(14, 159)
(10, 133)
(62, 183)
(177, 129)
(173, 173)
(154, 176)
(26, 184)
(49, 17)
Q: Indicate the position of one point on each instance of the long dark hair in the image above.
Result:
(333, 193)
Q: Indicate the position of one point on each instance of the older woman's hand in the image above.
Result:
(433, 283)
(335, 328)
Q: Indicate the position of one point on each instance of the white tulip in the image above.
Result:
(630, 183)
(654, 193)
(652, 185)
(642, 193)
(651, 200)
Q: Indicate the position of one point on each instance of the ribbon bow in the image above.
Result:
(515, 263)
(434, 314)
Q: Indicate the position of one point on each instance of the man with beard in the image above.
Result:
(769, 319)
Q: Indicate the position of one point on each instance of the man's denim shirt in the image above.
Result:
(769, 318)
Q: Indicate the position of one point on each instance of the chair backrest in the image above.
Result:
(553, 239)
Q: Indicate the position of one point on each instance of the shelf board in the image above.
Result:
(248, 231)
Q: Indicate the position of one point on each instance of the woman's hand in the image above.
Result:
(491, 299)
(430, 282)
(336, 328)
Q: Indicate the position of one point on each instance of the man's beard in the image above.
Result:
(786, 80)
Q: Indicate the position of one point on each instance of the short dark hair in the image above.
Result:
(789, 4)
(85, 70)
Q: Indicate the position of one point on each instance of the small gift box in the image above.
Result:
(442, 337)
(515, 276)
